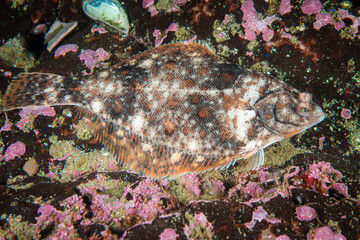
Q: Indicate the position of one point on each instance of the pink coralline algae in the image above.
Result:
(149, 5)
(344, 14)
(61, 158)
(100, 30)
(323, 19)
(102, 207)
(252, 24)
(258, 215)
(325, 233)
(250, 190)
(305, 213)
(192, 183)
(169, 234)
(226, 19)
(6, 127)
(191, 40)
(282, 237)
(38, 29)
(341, 188)
(34, 111)
(285, 7)
(322, 176)
(145, 199)
(64, 220)
(311, 6)
(346, 113)
(201, 224)
(63, 49)
(14, 150)
(93, 59)
(159, 38)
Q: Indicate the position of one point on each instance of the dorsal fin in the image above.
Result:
(181, 50)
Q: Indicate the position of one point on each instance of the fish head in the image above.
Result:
(288, 113)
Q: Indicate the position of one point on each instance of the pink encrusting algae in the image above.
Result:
(63, 49)
(253, 26)
(149, 4)
(325, 233)
(100, 30)
(7, 127)
(14, 150)
(159, 37)
(285, 7)
(192, 183)
(323, 19)
(145, 199)
(322, 176)
(311, 6)
(201, 224)
(305, 213)
(169, 234)
(346, 113)
(34, 111)
(93, 59)
(344, 14)
(259, 215)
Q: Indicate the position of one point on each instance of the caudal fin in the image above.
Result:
(40, 89)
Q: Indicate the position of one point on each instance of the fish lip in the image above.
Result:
(318, 113)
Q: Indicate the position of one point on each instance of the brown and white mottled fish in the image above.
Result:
(176, 108)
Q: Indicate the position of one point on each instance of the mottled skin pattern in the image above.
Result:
(176, 108)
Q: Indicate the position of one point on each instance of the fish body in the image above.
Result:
(176, 108)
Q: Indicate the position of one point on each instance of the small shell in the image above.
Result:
(109, 12)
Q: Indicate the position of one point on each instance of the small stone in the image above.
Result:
(31, 167)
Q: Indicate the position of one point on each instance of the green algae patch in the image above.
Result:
(14, 54)
(29, 126)
(82, 130)
(176, 188)
(18, 227)
(353, 127)
(261, 67)
(184, 34)
(24, 4)
(279, 153)
(198, 229)
(78, 162)
(226, 29)
(17, 182)
(225, 51)
(108, 186)
(164, 4)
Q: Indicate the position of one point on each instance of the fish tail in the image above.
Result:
(40, 89)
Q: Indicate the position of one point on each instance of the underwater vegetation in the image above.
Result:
(58, 182)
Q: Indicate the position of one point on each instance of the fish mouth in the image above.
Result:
(318, 114)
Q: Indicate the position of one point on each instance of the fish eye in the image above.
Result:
(303, 109)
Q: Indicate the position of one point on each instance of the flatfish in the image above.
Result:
(176, 108)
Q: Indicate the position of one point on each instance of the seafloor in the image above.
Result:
(58, 182)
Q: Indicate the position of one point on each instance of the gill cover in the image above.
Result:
(287, 113)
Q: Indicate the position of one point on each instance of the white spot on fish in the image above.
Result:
(96, 106)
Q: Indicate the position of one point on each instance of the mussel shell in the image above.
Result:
(110, 12)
